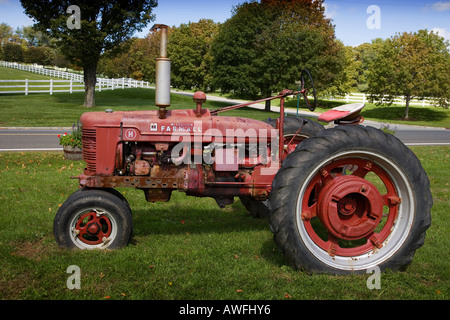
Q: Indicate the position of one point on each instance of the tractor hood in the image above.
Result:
(147, 126)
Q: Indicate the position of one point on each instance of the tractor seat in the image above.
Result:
(344, 113)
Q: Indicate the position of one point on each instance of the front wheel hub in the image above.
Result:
(91, 228)
(350, 207)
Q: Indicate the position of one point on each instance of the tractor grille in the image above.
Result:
(89, 143)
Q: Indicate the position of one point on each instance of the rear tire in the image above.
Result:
(348, 200)
(93, 219)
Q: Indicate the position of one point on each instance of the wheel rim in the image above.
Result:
(93, 228)
(355, 210)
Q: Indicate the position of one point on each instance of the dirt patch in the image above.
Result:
(31, 250)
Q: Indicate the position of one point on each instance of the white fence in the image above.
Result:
(363, 97)
(73, 81)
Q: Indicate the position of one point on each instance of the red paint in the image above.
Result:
(349, 207)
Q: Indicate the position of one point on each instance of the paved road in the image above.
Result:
(26, 139)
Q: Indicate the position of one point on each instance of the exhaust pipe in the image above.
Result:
(162, 94)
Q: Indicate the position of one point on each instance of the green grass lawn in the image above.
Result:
(187, 248)
(15, 74)
(64, 109)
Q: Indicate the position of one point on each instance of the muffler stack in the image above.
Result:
(162, 94)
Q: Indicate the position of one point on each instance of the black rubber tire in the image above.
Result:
(256, 208)
(110, 190)
(301, 165)
(115, 206)
(309, 128)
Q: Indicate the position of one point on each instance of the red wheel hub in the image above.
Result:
(350, 207)
(93, 227)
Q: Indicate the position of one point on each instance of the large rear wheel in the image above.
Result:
(348, 200)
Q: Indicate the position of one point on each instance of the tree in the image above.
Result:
(413, 65)
(190, 52)
(264, 47)
(34, 38)
(134, 58)
(13, 52)
(6, 32)
(347, 79)
(41, 55)
(103, 25)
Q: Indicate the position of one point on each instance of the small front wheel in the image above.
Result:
(93, 219)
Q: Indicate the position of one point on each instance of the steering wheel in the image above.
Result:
(307, 84)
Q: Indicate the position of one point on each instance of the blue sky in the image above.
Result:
(354, 24)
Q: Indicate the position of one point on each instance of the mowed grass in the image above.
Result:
(187, 248)
(64, 109)
(15, 74)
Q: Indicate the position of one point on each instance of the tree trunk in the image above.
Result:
(90, 79)
(266, 93)
(267, 108)
(407, 99)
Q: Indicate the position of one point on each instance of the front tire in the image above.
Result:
(93, 219)
(348, 200)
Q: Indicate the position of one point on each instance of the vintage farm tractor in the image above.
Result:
(338, 200)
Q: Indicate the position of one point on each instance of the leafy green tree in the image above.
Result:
(34, 37)
(134, 58)
(13, 52)
(413, 65)
(103, 25)
(347, 80)
(41, 55)
(190, 52)
(6, 32)
(115, 63)
(264, 47)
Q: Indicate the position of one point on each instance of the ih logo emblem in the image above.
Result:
(153, 127)
(130, 134)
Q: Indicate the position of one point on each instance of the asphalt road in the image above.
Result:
(30, 139)
(46, 139)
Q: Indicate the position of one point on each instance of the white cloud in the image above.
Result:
(441, 6)
(442, 32)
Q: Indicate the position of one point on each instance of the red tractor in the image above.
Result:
(338, 200)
